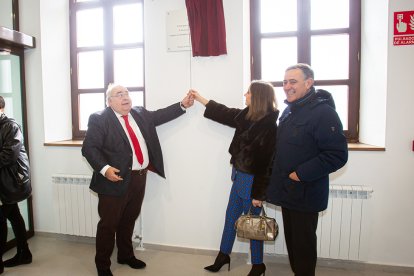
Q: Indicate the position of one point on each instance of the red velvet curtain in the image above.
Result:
(207, 27)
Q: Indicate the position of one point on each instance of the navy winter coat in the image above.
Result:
(310, 141)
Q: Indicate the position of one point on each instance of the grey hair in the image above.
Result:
(111, 86)
(305, 68)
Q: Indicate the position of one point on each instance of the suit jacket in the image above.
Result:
(106, 143)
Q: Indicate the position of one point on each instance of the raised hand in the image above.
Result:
(188, 100)
(198, 97)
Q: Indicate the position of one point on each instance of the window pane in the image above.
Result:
(90, 70)
(278, 16)
(88, 104)
(78, 1)
(277, 55)
(340, 95)
(137, 98)
(5, 75)
(89, 27)
(129, 67)
(128, 24)
(280, 97)
(330, 56)
(329, 14)
(10, 86)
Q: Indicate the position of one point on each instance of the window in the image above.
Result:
(323, 33)
(107, 46)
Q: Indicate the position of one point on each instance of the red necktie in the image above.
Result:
(134, 140)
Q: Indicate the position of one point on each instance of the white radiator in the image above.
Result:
(339, 226)
(77, 207)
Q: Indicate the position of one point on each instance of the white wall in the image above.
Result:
(195, 149)
(399, 177)
(373, 96)
(192, 146)
(6, 14)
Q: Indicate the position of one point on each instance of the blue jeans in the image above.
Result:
(240, 202)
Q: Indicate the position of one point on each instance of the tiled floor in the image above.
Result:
(60, 256)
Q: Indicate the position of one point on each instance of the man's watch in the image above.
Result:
(182, 106)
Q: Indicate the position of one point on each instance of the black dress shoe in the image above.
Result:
(104, 272)
(133, 263)
(23, 256)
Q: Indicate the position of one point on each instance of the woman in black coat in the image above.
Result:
(251, 152)
(14, 187)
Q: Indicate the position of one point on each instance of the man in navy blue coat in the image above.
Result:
(120, 170)
(310, 145)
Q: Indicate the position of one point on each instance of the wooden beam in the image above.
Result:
(16, 39)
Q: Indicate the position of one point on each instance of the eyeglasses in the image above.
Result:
(121, 95)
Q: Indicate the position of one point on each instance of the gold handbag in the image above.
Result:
(257, 227)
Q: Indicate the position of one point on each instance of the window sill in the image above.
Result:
(66, 143)
(351, 146)
(364, 147)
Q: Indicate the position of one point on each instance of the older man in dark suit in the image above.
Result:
(121, 144)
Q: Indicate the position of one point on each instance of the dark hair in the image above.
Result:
(305, 68)
(262, 101)
(2, 102)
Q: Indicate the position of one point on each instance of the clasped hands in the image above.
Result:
(191, 96)
(188, 100)
(194, 95)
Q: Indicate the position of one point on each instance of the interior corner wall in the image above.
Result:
(374, 68)
(54, 46)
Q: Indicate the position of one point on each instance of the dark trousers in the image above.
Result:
(12, 213)
(300, 236)
(117, 218)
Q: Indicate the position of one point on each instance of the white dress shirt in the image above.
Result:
(135, 164)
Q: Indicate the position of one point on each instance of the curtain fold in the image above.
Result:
(207, 27)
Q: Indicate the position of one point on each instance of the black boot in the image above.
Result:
(257, 270)
(23, 256)
(1, 266)
(221, 260)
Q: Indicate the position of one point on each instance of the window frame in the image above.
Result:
(304, 34)
(108, 48)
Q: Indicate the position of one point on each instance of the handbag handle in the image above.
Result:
(262, 212)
